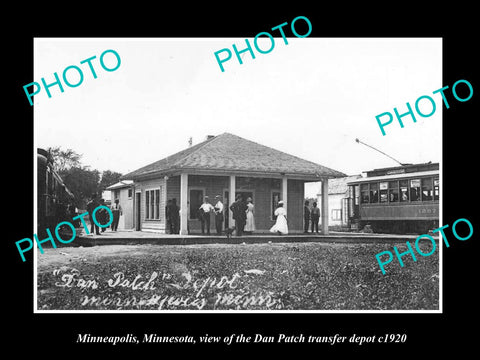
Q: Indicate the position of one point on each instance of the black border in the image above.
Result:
(427, 333)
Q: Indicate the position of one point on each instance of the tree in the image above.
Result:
(108, 178)
(82, 182)
(79, 179)
(64, 159)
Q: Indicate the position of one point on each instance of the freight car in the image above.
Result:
(402, 199)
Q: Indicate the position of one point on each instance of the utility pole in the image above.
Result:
(360, 142)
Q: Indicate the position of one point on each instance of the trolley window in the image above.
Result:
(356, 191)
(374, 192)
(436, 189)
(403, 190)
(364, 197)
(393, 191)
(383, 192)
(415, 190)
(427, 189)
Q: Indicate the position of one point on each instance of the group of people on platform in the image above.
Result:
(311, 216)
(206, 209)
(242, 212)
(101, 215)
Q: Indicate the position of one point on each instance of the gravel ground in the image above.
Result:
(278, 276)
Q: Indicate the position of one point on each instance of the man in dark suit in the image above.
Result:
(91, 206)
(102, 215)
(175, 216)
(306, 216)
(168, 217)
(315, 217)
(239, 208)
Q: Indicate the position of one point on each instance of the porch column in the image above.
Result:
(324, 206)
(183, 204)
(285, 193)
(231, 198)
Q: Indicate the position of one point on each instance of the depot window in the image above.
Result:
(276, 197)
(152, 204)
(336, 214)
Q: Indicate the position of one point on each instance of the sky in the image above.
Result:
(311, 98)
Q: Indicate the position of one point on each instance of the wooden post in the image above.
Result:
(351, 205)
(231, 199)
(285, 193)
(324, 206)
(183, 204)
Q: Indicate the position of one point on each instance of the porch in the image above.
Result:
(190, 189)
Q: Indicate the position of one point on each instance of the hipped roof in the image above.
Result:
(228, 153)
(120, 184)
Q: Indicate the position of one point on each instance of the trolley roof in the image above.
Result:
(394, 177)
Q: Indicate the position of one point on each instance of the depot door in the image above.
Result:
(138, 207)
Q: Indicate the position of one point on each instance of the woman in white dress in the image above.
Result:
(250, 225)
(280, 226)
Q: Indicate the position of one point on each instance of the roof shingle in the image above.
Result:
(228, 152)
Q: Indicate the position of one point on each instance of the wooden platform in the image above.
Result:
(142, 237)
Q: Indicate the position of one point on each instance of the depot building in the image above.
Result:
(225, 165)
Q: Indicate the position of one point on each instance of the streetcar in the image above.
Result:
(55, 202)
(402, 199)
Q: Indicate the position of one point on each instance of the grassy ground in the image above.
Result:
(300, 276)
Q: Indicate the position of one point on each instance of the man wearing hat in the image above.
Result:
(206, 208)
(218, 214)
(239, 208)
(91, 206)
(175, 216)
(306, 216)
